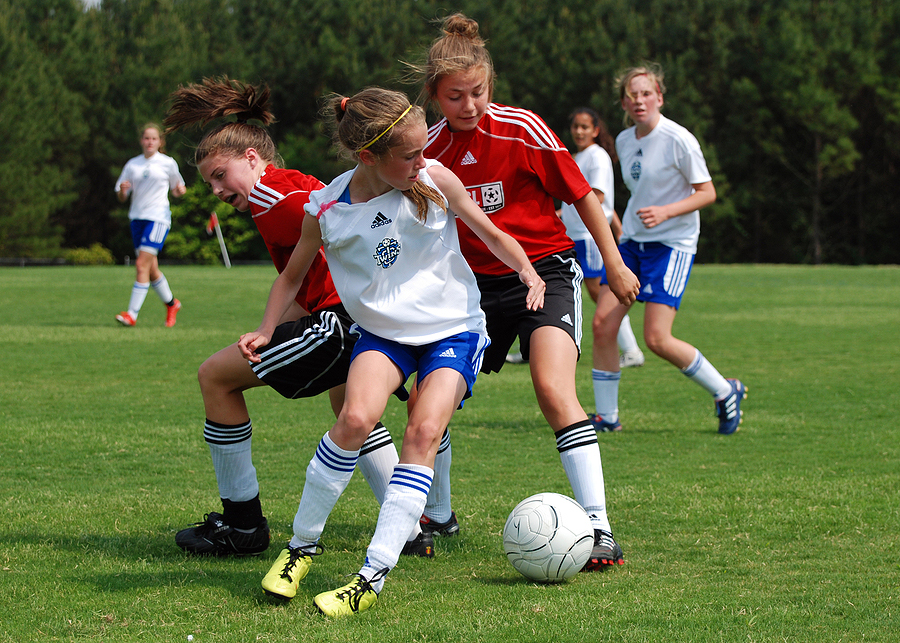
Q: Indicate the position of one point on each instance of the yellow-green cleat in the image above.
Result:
(355, 596)
(291, 566)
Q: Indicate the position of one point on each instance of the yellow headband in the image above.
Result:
(370, 143)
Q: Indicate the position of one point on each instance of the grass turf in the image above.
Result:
(787, 530)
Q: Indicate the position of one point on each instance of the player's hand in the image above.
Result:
(652, 215)
(250, 342)
(624, 284)
(536, 288)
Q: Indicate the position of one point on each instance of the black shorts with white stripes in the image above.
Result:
(308, 356)
(503, 302)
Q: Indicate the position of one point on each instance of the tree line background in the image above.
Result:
(795, 102)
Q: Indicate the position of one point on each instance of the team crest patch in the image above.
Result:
(386, 252)
(488, 196)
(636, 170)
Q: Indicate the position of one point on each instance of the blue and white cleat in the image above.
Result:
(729, 408)
(602, 426)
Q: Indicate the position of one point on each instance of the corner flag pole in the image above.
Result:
(214, 224)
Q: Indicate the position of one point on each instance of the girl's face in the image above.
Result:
(232, 177)
(642, 101)
(583, 131)
(150, 141)
(463, 98)
(399, 168)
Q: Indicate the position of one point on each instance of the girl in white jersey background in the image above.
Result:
(595, 155)
(664, 169)
(148, 178)
(388, 228)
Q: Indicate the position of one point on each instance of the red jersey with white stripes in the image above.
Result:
(276, 205)
(513, 166)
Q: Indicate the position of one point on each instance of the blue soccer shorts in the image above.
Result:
(662, 271)
(462, 353)
(148, 236)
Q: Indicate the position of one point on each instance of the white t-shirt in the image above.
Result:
(659, 169)
(597, 168)
(151, 180)
(399, 278)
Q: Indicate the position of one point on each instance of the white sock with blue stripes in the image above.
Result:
(327, 476)
(606, 393)
(438, 507)
(403, 504)
(706, 375)
(161, 287)
(138, 295)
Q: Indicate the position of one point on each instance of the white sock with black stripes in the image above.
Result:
(403, 504)
(580, 455)
(327, 476)
(230, 448)
(438, 507)
(377, 459)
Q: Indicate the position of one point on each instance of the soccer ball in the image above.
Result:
(548, 538)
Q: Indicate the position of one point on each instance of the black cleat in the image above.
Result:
(422, 545)
(449, 528)
(606, 552)
(213, 537)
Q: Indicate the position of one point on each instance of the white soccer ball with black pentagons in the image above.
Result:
(548, 537)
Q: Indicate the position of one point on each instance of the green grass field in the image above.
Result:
(787, 531)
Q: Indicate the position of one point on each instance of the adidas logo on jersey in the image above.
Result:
(448, 353)
(380, 220)
(648, 289)
(640, 153)
(567, 319)
(468, 159)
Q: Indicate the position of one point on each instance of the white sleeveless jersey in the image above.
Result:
(595, 164)
(659, 169)
(399, 278)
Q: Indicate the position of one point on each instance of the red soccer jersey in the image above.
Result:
(276, 205)
(513, 166)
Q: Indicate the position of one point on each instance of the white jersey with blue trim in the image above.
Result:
(597, 168)
(661, 168)
(399, 278)
(151, 180)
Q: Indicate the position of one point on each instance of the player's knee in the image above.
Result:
(656, 342)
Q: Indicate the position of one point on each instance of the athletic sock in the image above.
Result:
(625, 339)
(327, 476)
(230, 448)
(580, 455)
(606, 393)
(706, 375)
(138, 295)
(161, 286)
(403, 504)
(438, 507)
(377, 459)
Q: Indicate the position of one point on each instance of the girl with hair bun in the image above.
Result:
(514, 166)
(388, 228)
(309, 352)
